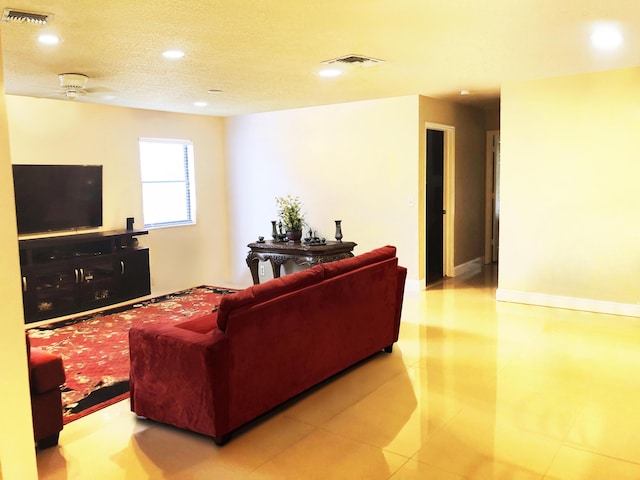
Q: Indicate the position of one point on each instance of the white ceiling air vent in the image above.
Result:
(354, 60)
(10, 15)
(73, 84)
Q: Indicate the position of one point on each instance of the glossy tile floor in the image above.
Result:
(474, 389)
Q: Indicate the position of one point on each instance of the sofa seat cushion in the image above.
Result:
(266, 291)
(204, 324)
(46, 370)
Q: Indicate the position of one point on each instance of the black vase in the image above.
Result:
(339, 230)
(294, 235)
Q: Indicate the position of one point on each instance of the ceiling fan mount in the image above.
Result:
(73, 84)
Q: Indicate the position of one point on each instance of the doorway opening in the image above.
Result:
(439, 202)
(435, 206)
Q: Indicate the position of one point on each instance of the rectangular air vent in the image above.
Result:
(18, 16)
(354, 60)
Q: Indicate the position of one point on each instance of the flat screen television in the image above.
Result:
(57, 197)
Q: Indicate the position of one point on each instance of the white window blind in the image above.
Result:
(168, 195)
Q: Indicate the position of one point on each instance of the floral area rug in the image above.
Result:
(95, 348)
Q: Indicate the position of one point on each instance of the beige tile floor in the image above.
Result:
(473, 390)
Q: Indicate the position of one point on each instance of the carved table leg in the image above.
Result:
(275, 267)
(252, 263)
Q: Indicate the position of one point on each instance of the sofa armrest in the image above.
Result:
(180, 377)
(46, 371)
(402, 277)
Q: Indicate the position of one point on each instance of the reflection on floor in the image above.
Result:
(474, 389)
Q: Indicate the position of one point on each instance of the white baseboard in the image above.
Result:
(570, 303)
(472, 266)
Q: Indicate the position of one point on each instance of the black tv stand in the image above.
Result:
(68, 274)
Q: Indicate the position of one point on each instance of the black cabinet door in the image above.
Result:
(50, 292)
(134, 273)
(98, 285)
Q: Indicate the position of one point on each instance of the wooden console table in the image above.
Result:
(279, 253)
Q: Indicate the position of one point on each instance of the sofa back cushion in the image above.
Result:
(266, 291)
(334, 269)
(296, 281)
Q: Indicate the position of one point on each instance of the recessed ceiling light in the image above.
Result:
(606, 36)
(200, 104)
(173, 54)
(465, 92)
(330, 73)
(48, 39)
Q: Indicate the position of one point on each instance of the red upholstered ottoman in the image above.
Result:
(46, 375)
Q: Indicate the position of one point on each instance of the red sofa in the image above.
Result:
(46, 376)
(266, 344)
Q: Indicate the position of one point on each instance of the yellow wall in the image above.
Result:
(67, 132)
(569, 184)
(17, 455)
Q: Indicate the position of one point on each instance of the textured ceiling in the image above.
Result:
(264, 55)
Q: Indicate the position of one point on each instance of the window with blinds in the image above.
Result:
(168, 194)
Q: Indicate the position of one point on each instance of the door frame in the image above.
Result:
(492, 180)
(449, 183)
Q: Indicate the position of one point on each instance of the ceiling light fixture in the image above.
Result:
(330, 72)
(200, 104)
(465, 92)
(214, 90)
(48, 39)
(173, 54)
(606, 36)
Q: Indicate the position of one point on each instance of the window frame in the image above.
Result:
(188, 181)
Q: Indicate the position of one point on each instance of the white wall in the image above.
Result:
(65, 132)
(355, 162)
(570, 233)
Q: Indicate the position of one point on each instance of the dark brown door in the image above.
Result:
(435, 205)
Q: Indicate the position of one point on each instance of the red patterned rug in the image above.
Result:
(95, 348)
